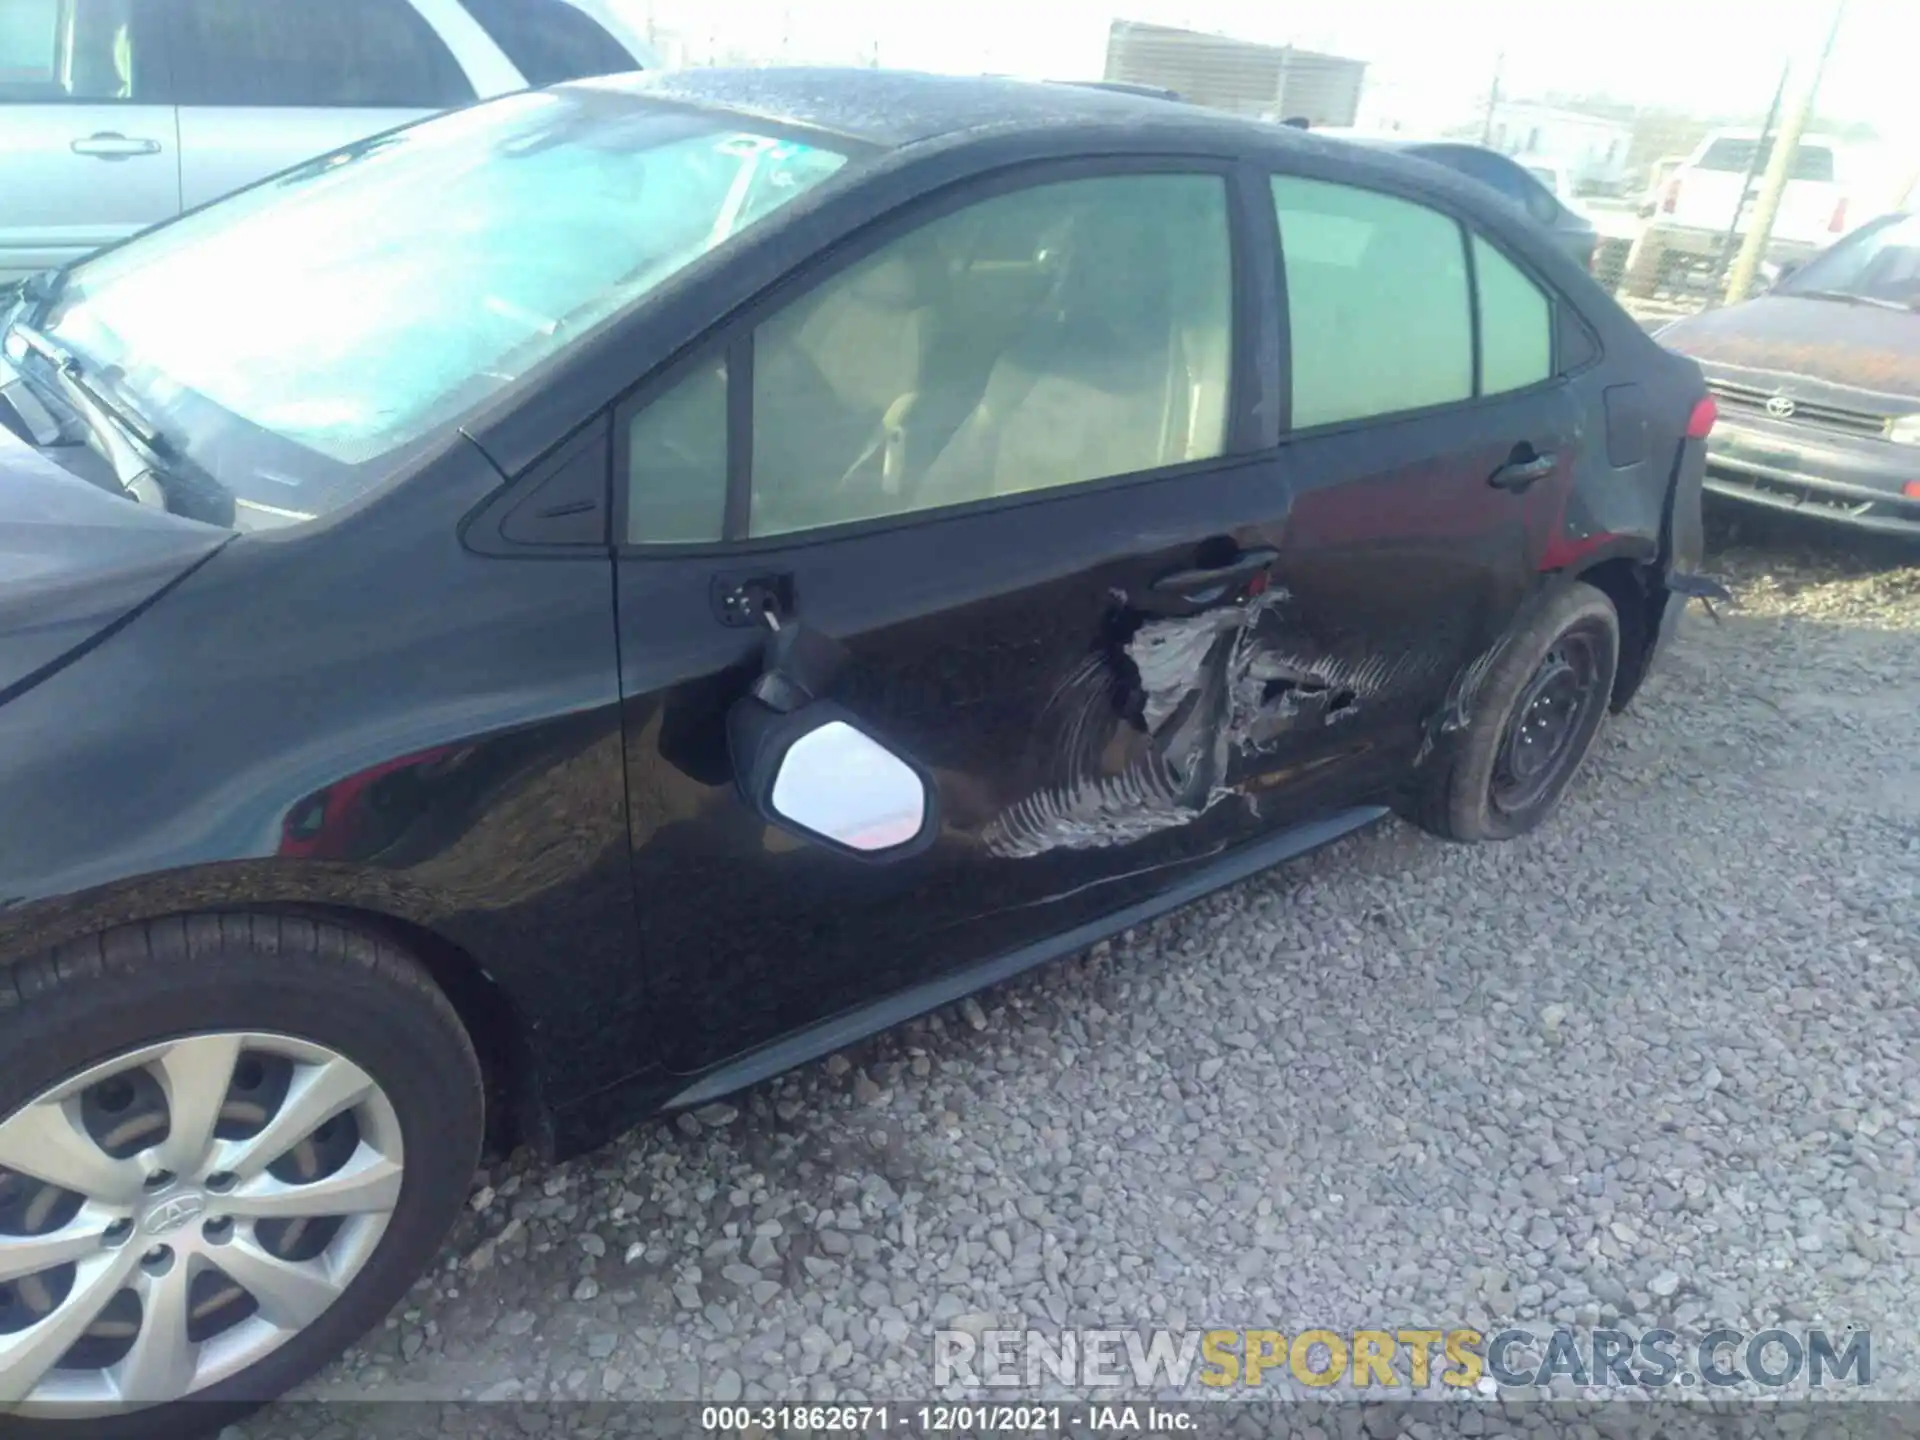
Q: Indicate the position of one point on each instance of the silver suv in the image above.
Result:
(117, 114)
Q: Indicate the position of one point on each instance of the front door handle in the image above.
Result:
(1210, 583)
(111, 145)
(1518, 475)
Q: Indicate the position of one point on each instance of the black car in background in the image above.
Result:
(580, 605)
(1572, 231)
(1818, 384)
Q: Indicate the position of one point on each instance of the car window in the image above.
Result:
(1810, 162)
(1377, 303)
(292, 339)
(378, 54)
(1058, 334)
(549, 41)
(1516, 324)
(84, 51)
(677, 460)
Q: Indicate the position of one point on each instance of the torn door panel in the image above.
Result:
(1144, 735)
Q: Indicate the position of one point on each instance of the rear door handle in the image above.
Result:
(1518, 475)
(111, 145)
(1204, 586)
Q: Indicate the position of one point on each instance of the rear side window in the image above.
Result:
(1810, 162)
(549, 41)
(377, 54)
(78, 51)
(1516, 324)
(1377, 300)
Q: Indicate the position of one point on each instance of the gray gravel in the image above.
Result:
(1655, 1063)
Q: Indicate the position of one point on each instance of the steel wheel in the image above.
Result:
(173, 1215)
(1552, 713)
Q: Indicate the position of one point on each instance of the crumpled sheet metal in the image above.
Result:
(1211, 684)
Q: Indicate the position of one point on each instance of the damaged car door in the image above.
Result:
(1006, 457)
(1431, 452)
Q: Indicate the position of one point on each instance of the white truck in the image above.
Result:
(1697, 203)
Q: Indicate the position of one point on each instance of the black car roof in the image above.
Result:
(894, 108)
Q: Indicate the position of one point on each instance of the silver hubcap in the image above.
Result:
(171, 1216)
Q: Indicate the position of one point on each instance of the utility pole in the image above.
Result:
(1760, 151)
(1910, 196)
(1786, 149)
(1493, 98)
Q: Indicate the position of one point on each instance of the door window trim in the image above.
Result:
(1250, 398)
(1467, 226)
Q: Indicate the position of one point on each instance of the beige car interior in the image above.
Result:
(1047, 337)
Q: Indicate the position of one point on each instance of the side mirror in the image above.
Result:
(817, 772)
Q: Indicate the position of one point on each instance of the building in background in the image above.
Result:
(1272, 81)
(1593, 149)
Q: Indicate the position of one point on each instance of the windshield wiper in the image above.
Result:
(123, 440)
(1850, 297)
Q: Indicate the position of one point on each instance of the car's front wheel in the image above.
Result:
(228, 1145)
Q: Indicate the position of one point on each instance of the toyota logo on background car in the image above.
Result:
(1780, 407)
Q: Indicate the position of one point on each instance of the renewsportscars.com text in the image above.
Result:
(1400, 1359)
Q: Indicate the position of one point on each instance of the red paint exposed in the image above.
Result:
(1563, 551)
(323, 825)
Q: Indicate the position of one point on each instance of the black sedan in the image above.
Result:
(1574, 232)
(1818, 384)
(591, 601)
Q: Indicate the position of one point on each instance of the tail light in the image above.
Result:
(1670, 197)
(1701, 422)
(1839, 221)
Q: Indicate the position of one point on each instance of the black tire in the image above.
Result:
(93, 1000)
(1648, 267)
(1464, 795)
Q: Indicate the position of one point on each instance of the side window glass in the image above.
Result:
(79, 51)
(549, 41)
(1051, 336)
(1516, 325)
(375, 54)
(1377, 302)
(677, 462)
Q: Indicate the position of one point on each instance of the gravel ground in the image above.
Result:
(1654, 1062)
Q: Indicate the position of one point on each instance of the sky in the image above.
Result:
(1711, 55)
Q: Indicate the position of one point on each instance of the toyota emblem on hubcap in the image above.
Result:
(1781, 407)
(170, 1215)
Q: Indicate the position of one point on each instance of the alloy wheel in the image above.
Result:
(170, 1217)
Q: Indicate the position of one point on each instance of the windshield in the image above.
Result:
(1880, 261)
(291, 342)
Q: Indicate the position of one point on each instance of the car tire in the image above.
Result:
(1647, 267)
(1531, 723)
(263, 1000)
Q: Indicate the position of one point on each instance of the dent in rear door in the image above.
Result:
(1430, 481)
